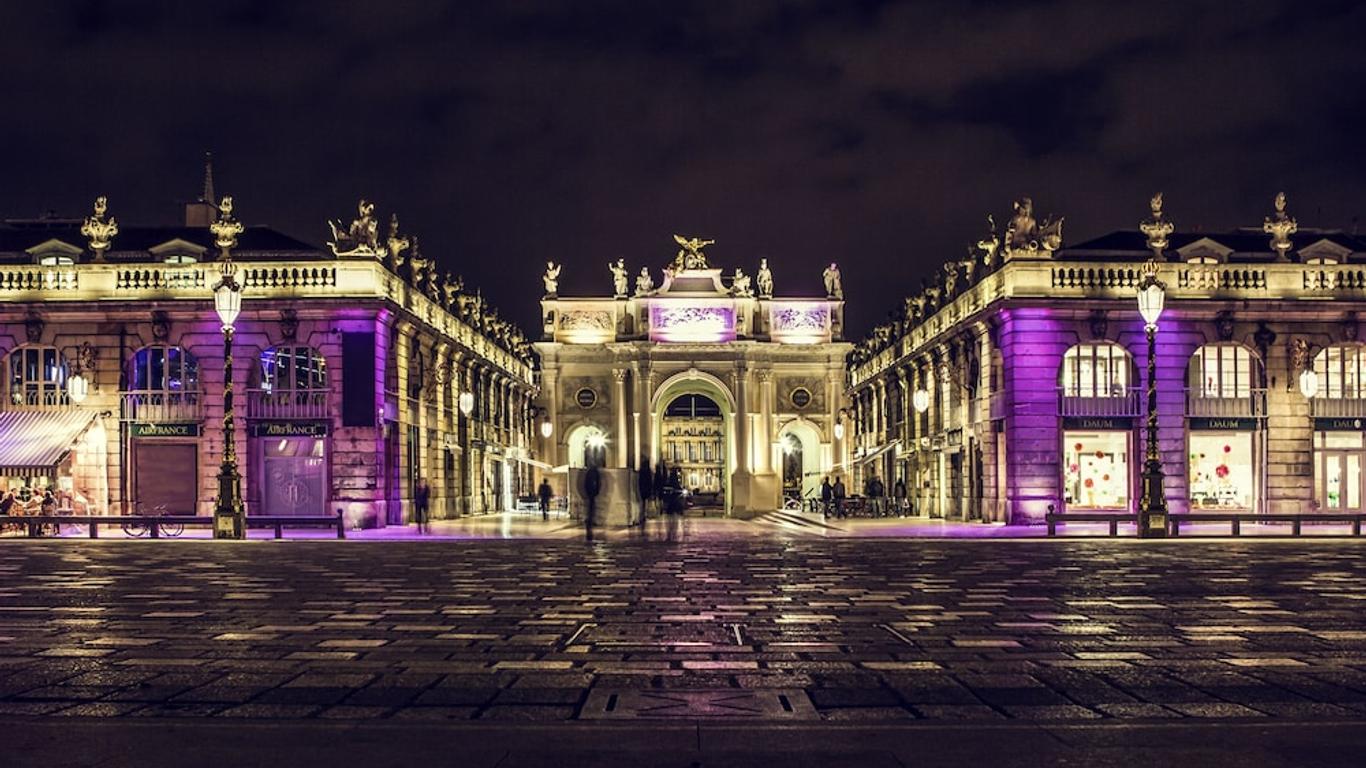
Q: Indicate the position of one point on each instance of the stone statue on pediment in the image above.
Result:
(551, 278)
(100, 232)
(1026, 237)
(740, 284)
(619, 280)
(361, 238)
(644, 283)
(764, 279)
(396, 244)
(834, 287)
(989, 244)
(690, 256)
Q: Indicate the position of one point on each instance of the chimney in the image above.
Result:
(203, 212)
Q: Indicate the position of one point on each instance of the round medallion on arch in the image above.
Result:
(586, 397)
(800, 398)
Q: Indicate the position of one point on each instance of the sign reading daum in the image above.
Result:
(290, 429)
(1339, 425)
(164, 430)
(1098, 422)
(1229, 424)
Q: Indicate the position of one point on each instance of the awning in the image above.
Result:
(873, 454)
(35, 442)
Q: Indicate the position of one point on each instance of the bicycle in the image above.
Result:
(137, 529)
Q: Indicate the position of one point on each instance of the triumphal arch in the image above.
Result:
(707, 371)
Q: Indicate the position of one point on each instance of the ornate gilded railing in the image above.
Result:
(1124, 403)
(288, 404)
(155, 407)
(1247, 405)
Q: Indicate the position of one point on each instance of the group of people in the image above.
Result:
(834, 498)
(659, 489)
(28, 501)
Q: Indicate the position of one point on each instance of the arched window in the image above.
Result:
(37, 376)
(166, 370)
(1341, 370)
(1223, 371)
(292, 369)
(1095, 370)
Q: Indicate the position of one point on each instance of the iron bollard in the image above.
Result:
(341, 524)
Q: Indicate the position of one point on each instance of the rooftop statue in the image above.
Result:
(450, 289)
(618, 278)
(690, 256)
(362, 238)
(765, 279)
(1157, 229)
(1280, 226)
(100, 232)
(834, 289)
(950, 279)
(989, 244)
(422, 267)
(552, 278)
(396, 244)
(740, 283)
(644, 283)
(1026, 237)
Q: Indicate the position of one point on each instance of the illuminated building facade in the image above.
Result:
(771, 369)
(352, 363)
(1015, 380)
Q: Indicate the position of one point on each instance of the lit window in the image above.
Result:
(1222, 371)
(37, 376)
(1096, 370)
(1341, 371)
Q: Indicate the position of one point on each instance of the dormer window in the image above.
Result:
(178, 251)
(1324, 252)
(54, 253)
(1204, 251)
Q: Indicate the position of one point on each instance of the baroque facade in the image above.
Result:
(771, 367)
(1014, 381)
(354, 362)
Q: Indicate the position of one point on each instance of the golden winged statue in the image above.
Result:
(691, 256)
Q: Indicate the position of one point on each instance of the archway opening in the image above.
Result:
(800, 447)
(693, 440)
(587, 447)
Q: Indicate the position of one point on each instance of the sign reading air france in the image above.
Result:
(164, 430)
(290, 428)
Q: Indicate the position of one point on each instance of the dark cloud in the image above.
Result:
(873, 134)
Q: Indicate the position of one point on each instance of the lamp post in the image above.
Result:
(1152, 516)
(228, 513)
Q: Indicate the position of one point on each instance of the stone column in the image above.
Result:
(550, 397)
(622, 438)
(742, 446)
(765, 421)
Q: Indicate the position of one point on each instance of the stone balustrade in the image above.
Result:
(1040, 279)
(260, 280)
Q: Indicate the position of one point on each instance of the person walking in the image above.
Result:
(592, 485)
(673, 499)
(899, 494)
(840, 493)
(545, 493)
(422, 496)
(827, 496)
(645, 482)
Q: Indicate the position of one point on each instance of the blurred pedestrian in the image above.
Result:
(545, 493)
(840, 494)
(592, 485)
(422, 497)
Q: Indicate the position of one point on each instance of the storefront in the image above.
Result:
(1097, 473)
(1222, 467)
(291, 457)
(61, 451)
(1339, 452)
(165, 468)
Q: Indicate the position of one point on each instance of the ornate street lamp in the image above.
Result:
(839, 425)
(1152, 516)
(228, 512)
(466, 404)
(547, 428)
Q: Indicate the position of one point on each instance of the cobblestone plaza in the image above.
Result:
(721, 630)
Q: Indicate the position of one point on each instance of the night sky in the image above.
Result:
(873, 134)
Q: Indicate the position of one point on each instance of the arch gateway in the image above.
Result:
(637, 362)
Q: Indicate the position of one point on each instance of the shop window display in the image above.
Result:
(1096, 470)
(1222, 474)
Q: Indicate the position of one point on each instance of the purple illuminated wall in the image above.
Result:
(696, 324)
(1033, 342)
